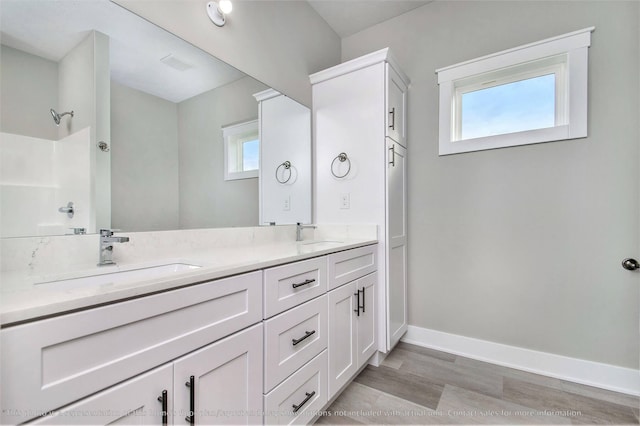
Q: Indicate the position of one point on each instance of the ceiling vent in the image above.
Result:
(175, 63)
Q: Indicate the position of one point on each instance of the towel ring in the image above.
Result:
(287, 166)
(342, 157)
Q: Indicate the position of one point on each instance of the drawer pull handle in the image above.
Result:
(363, 303)
(306, 335)
(164, 400)
(299, 406)
(358, 305)
(191, 418)
(393, 155)
(392, 126)
(303, 283)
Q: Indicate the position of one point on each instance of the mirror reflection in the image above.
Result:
(111, 122)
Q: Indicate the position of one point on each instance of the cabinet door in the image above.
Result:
(134, 402)
(227, 384)
(396, 92)
(367, 320)
(396, 235)
(343, 354)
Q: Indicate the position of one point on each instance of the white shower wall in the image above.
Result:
(37, 176)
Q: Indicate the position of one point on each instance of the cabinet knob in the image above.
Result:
(630, 264)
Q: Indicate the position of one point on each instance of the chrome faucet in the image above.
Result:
(106, 246)
(299, 228)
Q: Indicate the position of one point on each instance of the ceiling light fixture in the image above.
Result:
(217, 11)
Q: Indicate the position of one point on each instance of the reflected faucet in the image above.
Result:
(106, 246)
(299, 228)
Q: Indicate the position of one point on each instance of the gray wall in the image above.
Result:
(206, 199)
(77, 88)
(523, 245)
(28, 89)
(167, 160)
(144, 160)
(278, 42)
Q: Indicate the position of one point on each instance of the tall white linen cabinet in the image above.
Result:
(360, 148)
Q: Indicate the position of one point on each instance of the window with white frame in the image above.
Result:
(241, 150)
(530, 94)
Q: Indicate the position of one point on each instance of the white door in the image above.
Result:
(396, 93)
(227, 381)
(396, 242)
(367, 343)
(134, 402)
(343, 354)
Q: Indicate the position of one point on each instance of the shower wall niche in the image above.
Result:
(45, 165)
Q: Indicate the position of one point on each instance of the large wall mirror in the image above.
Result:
(109, 121)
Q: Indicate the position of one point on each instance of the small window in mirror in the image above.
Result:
(241, 150)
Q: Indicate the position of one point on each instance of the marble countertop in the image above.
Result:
(26, 297)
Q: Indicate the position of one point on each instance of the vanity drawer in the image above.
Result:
(49, 363)
(292, 339)
(290, 285)
(308, 382)
(349, 265)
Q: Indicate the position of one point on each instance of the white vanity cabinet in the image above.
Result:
(359, 110)
(270, 346)
(51, 363)
(352, 330)
(218, 384)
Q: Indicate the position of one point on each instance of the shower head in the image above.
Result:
(57, 117)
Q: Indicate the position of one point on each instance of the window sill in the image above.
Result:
(550, 134)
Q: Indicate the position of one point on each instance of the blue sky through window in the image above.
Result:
(513, 107)
(250, 155)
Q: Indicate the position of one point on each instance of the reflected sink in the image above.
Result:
(116, 277)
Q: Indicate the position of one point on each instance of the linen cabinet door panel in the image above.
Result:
(396, 93)
(297, 399)
(367, 342)
(343, 353)
(226, 384)
(134, 402)
(396, 249)
(50, 363)
(292, 339)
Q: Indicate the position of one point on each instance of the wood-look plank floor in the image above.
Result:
(416, 385)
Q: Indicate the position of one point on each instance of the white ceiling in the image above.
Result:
(348, 17)
(50, 29)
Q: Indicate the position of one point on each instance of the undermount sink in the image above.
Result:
(308, 243)
(315, 245)
(116, 277)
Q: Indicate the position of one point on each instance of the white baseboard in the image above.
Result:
(605, 376)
